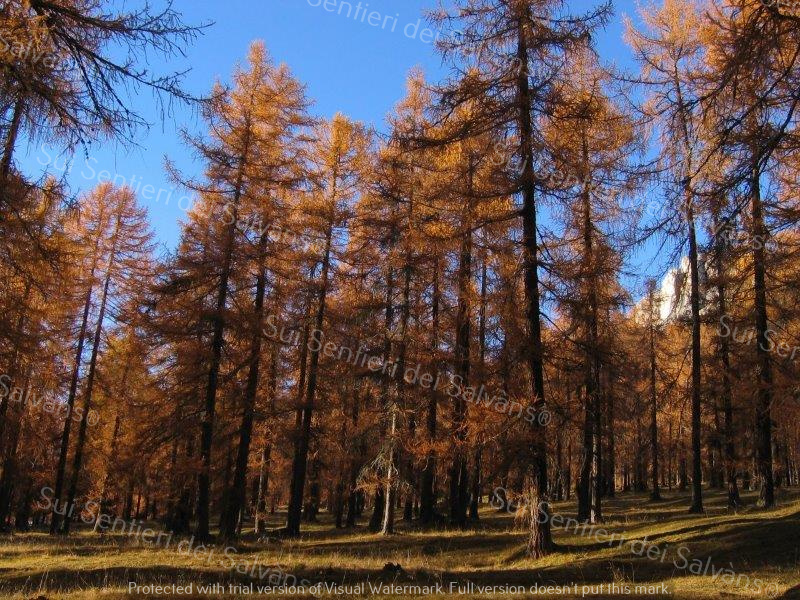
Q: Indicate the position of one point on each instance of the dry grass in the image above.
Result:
(754, 544)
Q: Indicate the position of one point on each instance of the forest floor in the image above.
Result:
(748, 554)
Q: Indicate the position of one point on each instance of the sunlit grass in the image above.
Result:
(752, 543)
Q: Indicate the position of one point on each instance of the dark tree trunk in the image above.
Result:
(11, 140)
(459, 475)
(639, 477)
(399, 379)
(558, 491)
(585, 476)
(226, 479)
(18, 332)
(302, 386)
(127, 507)
(312, 506)
(697, 458)
(183, 510)
(236, 497)
(266, 454)
(8, 479)
(655, 493)
(427, 492)
(540, 541)
(55, 523)
(207, 426)
(263, 488)
(87, 395)
(593, 362)
(477, 482)
(697, 467)
(338, 503)
(611, 460)
(716, 472)
(108, 480)
(353, 496)
(299, 463)
(683, 475)
(763, 346)
(378, 506)
(568, 473)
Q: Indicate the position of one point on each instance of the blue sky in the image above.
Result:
(348, 66)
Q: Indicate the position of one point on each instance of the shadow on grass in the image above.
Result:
(753, 542)
(425, 545)
(66, 580)
(791, 594)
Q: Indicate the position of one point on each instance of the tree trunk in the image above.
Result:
(11, 140)
(611, 460)
(389, 402)
(218, 338)
(427, 492)
(540, 540)
(399, 378)
(763, 346)
(55, 522)
(387, 528)
(266, 453)
(655, 493)
(670, 455)
(8, 479)
(301, 383)
(312, 506)
(477, 482)
(683, 475)
(352, 500)
(87, 398)
(697, 468)
(558, 491)
(299, 463)
(697, 458)
(585, 476)
(715, 451)
(236, 496)
(459, 475)
(638, 481)
(108, 480)
(568, 472)
(19, 331)
(593, 361)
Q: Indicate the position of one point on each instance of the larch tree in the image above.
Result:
(752, 99)
(505, 56)
(671, 53)
(91, 230)
(594, 142)
(338, 160)
(126, 258)
(82, 67)
(240, 160)
(276, 169)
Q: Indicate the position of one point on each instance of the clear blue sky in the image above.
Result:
(347, 65)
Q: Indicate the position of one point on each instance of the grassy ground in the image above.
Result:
(749, 554)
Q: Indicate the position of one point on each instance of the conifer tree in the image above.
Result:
(513, 42)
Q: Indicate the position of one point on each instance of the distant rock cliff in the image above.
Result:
(673, 300)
